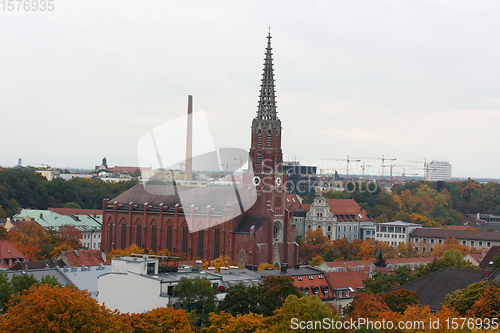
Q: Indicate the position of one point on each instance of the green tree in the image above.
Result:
(241, 299)
(306, 309)
(380, 260)
(399, 300)
(463, 299)
(72, 205)
(196, 294)
(496, 263)
(5, 291)
(451, 258)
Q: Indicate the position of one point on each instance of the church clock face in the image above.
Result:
(278, 181)
(256, 180)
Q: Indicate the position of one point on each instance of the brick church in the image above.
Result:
(213, 224)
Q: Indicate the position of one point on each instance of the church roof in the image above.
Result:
(248, 222)
(185, 196)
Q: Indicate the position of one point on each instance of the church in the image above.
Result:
(213, 224)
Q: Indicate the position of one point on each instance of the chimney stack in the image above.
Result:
(188, 171)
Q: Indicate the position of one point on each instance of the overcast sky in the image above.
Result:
(405, 79)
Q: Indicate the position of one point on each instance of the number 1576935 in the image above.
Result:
(26, 5)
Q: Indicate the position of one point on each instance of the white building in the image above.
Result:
(394, 233)
(134, 284)
(439, 170)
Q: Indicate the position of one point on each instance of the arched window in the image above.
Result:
(138, 233)
(123, 234)
(259, 139)
(168, 244)
(184, 240)
(153, 236)
(216, 243)
(269, 139)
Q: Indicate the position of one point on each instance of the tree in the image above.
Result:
(316, 260)
(307, 309)
(367, 306)
(56, 309)
(380, 282)
(227, 323)
(275, 291)
(196, 294)
(241, 299)
(161, 320)
(5, 291)
(449, 243)
(400, 300)
(451, 258)
(222, 261)
(487, 304)
(496, 263)
(463, 299)
(380, 261)
(73, 205)
(264, 266)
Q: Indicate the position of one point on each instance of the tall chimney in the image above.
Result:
(188, 173)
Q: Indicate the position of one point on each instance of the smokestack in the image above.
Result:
(188, 173)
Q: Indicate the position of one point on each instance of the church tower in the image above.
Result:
(267, 158)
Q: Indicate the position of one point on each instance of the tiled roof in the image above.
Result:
(486, 263)
(457, 227)
(248, 222)
(8, 251)
(346, 208)
(433, 288)
(391, 261)
(457, 234)
(347, 279)
(217, 197)
(77, 258)
(314, 284)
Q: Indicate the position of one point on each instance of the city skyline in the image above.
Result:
(408, 80)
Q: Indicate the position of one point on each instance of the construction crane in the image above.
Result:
(348, 160)
(426, 173)
(383, 158)
(407, 174)
(364, 167)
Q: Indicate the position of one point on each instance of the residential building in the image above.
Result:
(368, 265)
(394, 233)
(424, 239)
(346, 285)
(9, 255)
(88, 224)
(338, 218)
(79, 258)
(487, 262)
(439, 170)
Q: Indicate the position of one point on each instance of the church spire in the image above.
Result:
(267, 99)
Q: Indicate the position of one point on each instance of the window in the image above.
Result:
(259, 157)
(432, 241)
(150, 268)
(259, 139)
(416, 240)
(480, 244)
(311, 277)
(269, 139)
(488, 244)
(472, 243)
(299, 278)
(440, 241)
(329, 228)
(309, 227)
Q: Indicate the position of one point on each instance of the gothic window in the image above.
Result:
(123, 236)
(269, 139)
(259, 158)
(169, 238)
(184, 241)
(153, 237)
(138, 235)
(259, 139)
(200, 243)
(216, 243)
(277, 140)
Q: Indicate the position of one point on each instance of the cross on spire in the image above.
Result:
(267, 99)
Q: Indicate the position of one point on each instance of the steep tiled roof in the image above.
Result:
(347, 279)
(315, 285)
(347, 209)
(217, 197)
(77, 258)
(487, 262)
(457, 234)
(248, 222)
(433, 288)
(9, 254)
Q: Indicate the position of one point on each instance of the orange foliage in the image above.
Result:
(161, 320)
(226, 323)
(488, 303)
(26, 238)
(450, 243)
(55, 309)
(70, 235)
(367, 306)
(316, 260)
(264, 266)
(222, 261)
(133, 248)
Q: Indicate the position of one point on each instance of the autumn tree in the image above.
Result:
(222, 261)
(449, 243)
(275, 290)
(463, 299)
(56, 309)
(400, 300)
(487, 304)
(367, 306)
(313, 242)
(451, 258)
(161, 320)
(264, 266)
(227, 323)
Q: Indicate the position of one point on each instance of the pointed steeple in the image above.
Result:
(267, 99)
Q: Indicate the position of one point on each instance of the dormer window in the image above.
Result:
(311, 277)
